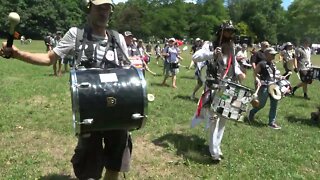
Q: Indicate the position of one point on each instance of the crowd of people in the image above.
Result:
(214, 63)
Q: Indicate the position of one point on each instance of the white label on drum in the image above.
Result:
(110, 55)
(110, 77)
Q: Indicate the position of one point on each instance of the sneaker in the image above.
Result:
(306, 97)
(274, 126)
(216, 159)
(250, 117)
(293, 90)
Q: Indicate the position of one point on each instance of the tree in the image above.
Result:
(303, 20)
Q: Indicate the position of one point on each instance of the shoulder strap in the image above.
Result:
(115, 43)
(79, 40)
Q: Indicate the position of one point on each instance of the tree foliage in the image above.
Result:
(158, 19)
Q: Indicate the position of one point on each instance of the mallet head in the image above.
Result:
(14, 19)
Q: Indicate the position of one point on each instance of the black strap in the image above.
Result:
(84, 38)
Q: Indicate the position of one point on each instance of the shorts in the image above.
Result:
(67, 61)
(169, 71)
(305, 76)
(91, 156)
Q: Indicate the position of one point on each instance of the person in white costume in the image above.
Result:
(221, 64)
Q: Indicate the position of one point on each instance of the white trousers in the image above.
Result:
(216, 130)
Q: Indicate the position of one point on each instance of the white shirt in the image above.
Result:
(204, 55)
(67, 46)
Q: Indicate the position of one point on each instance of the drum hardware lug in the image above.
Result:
(87, 121)
(83, 85)
(137, 116)
(111, 101)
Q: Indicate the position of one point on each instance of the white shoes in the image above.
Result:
(216, 158)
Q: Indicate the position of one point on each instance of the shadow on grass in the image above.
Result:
(56, 177)
(188, 77)
(186, 98)
(191, 147)
(305, 121)
(254, 123)
(158, 84)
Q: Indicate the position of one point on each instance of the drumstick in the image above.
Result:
(14, 19)
(255, 94)
(289, 73)
(298, 75)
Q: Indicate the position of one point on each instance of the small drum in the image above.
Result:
(315, 72)
(231, 100)
(108, 99)
(136, 61)
(284, 87)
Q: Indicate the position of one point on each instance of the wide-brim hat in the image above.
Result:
(274, 91)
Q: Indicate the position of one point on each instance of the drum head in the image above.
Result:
(274, 91)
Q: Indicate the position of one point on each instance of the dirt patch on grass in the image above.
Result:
(37, 100)
(153, 162)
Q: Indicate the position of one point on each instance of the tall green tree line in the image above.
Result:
(262, 20)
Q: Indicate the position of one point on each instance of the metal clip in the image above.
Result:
(137, 116)
(87, 121)
(84, 85)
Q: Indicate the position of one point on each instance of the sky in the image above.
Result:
(285, 3)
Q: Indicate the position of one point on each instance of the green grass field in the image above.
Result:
(37, 136)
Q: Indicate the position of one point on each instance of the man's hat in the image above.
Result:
(270, 50)
(99, 2)
(128, 33)
(198, 39)
(289, 44)
(227, 25)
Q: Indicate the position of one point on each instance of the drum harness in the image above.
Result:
(91, 52)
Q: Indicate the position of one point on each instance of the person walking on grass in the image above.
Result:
(171, 54)
(110, 149)
(266, 74)
(303, 55)
(221, 65)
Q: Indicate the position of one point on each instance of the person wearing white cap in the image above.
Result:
(265, 74)
(171, 64)
(110, 149)
(288, 59)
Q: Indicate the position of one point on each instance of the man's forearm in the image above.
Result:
(43, 59)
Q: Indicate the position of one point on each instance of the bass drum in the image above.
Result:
(108, 99)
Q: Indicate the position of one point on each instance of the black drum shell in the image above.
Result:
(109, 104)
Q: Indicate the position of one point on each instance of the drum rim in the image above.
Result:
(74, 100)
(144, 91)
